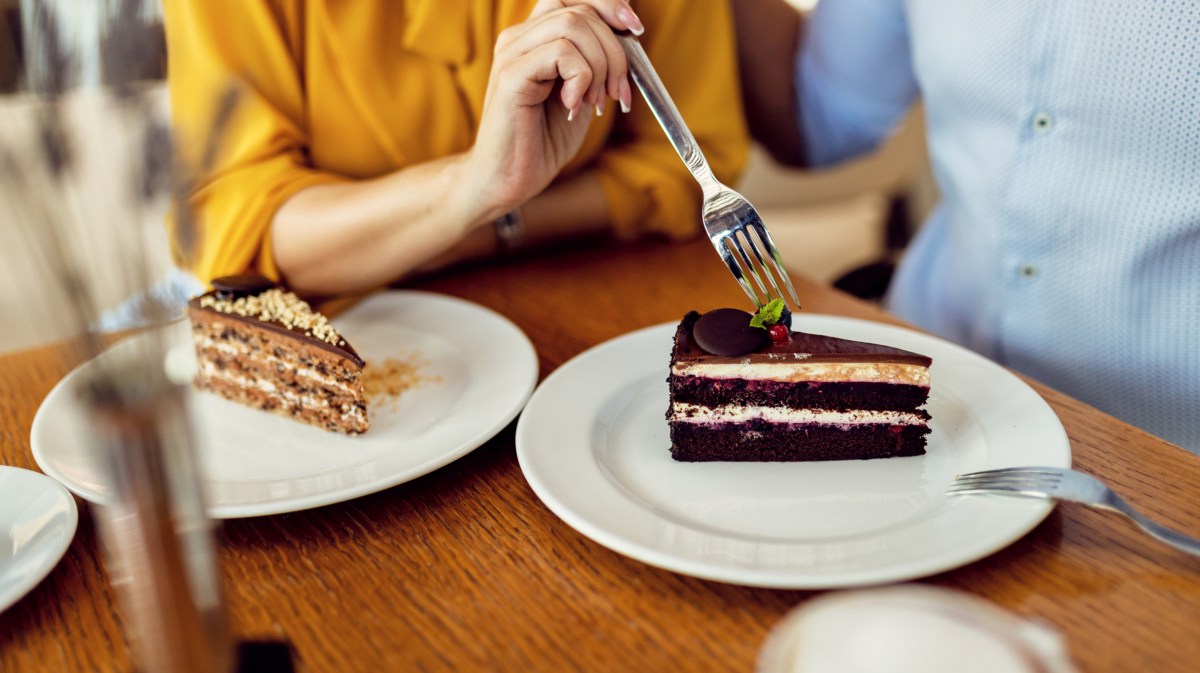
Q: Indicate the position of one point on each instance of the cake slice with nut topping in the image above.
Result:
(262, 346)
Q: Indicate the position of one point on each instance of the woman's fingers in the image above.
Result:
(532, 75)
(598, 44)
(617, 67)
(592, 37)
(617, 13)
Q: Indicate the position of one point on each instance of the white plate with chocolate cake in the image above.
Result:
(810, 462)
(304, 412)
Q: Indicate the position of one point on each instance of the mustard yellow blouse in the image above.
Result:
(338, 90)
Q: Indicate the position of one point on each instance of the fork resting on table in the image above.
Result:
(1061, 484)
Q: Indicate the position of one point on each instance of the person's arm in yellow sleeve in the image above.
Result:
(395, 222)
(262, 206)
(259, 161)
(647, 186)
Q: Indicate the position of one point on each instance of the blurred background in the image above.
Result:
(841, 226)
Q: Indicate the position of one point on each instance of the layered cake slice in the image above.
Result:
(262, 346)
(743, 393)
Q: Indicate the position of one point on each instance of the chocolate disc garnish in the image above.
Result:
(727, 332)
(244, 285)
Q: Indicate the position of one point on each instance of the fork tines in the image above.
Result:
(1015, 471)
(753, 234)
(1032, 480)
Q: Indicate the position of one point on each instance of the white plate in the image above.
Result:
(37, 523)
(594, 445)
(256, 463)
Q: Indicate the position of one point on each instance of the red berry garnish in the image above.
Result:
(779, 333)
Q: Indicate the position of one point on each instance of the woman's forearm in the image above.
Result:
(572, 207)
(350, 237)
(342, 238)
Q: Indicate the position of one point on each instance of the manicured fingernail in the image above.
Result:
(631, 20)
(570, 114)
(626, 96)
(600, 107)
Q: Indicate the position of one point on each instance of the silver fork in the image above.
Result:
(1060, 484)
(731, 222)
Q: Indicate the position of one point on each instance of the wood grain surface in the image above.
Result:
(465, 570)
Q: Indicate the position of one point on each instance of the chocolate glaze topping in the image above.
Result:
(342, 347)
(802, 347)
(244, 285)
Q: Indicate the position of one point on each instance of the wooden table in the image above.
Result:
(465, 569)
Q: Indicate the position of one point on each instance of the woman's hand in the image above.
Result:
(548, 74)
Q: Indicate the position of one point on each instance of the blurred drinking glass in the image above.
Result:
(86, 173)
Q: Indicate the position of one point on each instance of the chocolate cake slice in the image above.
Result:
(262, 346)
(737, 396)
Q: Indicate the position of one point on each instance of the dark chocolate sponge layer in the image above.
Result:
(759, 441)
(845, 396)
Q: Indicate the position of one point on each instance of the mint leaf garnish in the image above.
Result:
(768, 314)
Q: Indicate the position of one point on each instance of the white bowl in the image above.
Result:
(909, 629)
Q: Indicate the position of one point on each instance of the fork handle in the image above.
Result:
(1171, 537)
(647, 81)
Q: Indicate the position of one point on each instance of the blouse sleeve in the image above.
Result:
(259, 157)
(648, 188)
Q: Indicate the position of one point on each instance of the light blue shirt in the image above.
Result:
(1065, 138)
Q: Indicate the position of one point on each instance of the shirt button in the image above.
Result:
(1043, 123)
(1027, 271)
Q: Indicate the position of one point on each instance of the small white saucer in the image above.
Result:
(38, 518)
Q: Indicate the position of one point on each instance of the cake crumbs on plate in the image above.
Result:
(391, 378)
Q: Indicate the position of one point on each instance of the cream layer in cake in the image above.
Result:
(732, 413)
(795, 372)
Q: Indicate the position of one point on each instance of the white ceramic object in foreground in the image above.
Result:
(593, 443)
(38, 518)
(480, 368)
(909, 629)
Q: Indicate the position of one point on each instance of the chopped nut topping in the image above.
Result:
(281, 307)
